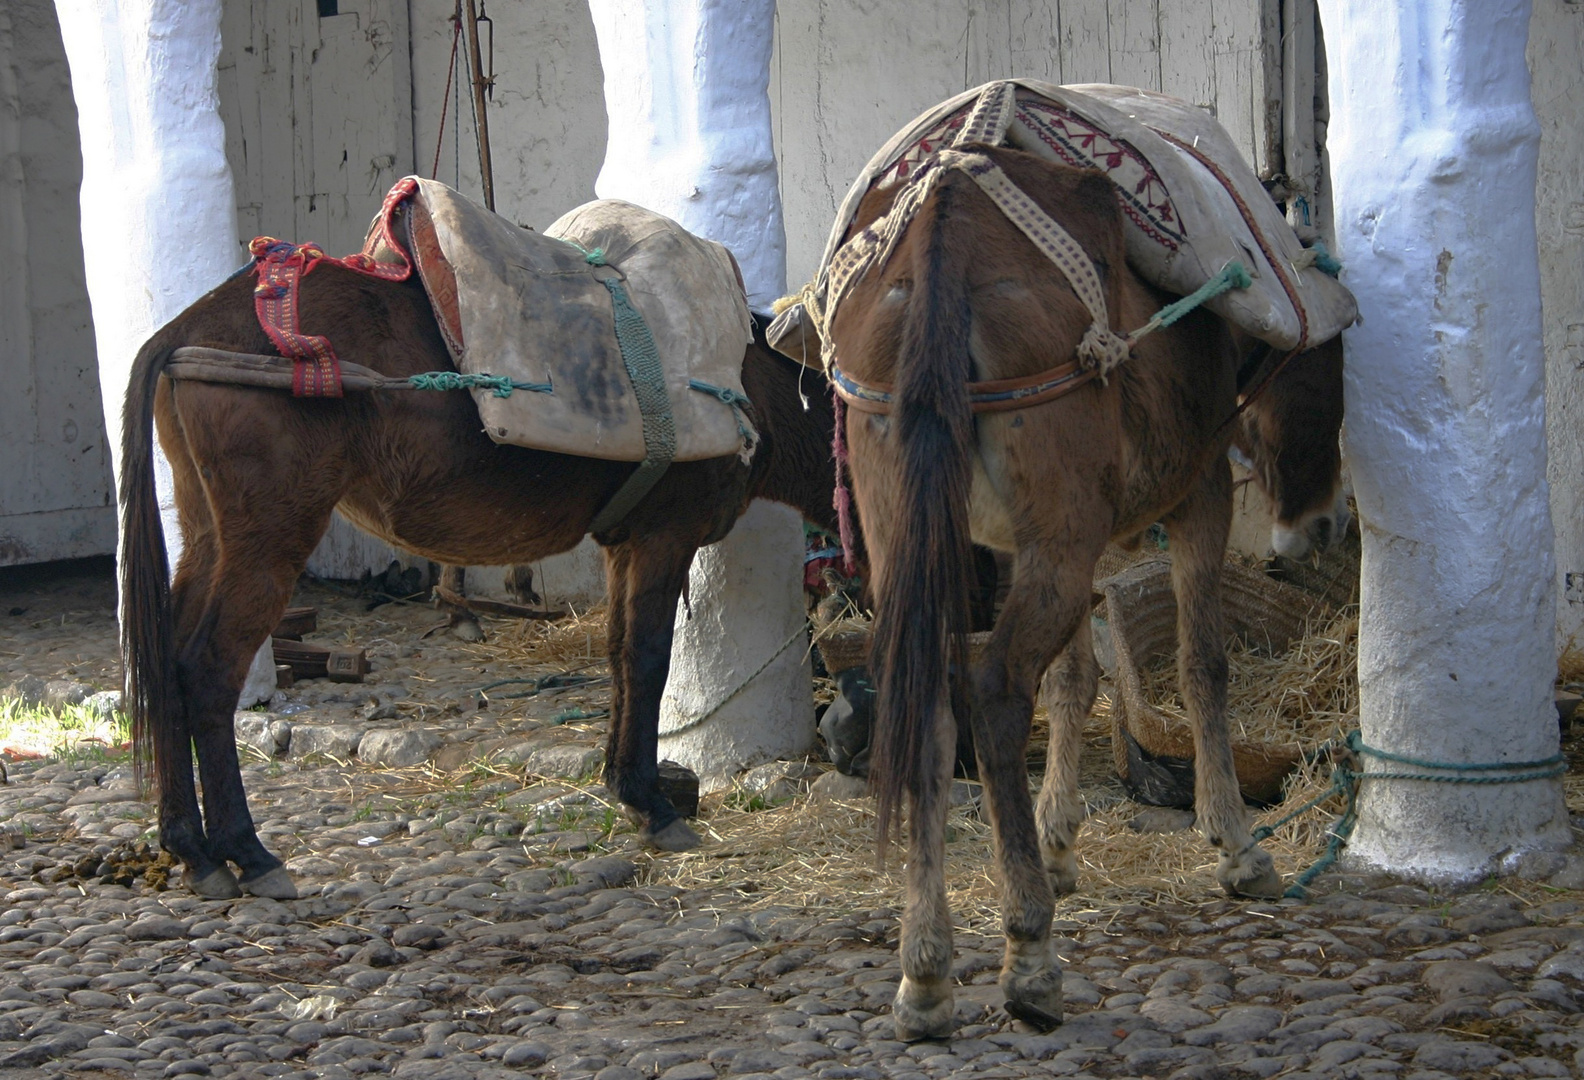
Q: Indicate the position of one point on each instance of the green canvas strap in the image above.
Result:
(647, 376)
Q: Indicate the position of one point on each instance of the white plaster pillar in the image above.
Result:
(1433, 149)
(688, 106)
(158, 211)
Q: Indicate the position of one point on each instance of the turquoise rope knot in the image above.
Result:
(1325, 262)
(727, 396)
(593, 258)
(500, 385)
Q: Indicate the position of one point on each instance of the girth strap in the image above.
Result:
(647, 376)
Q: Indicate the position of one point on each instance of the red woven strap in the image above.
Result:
(281, 266)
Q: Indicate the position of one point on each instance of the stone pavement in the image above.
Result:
(477, 924)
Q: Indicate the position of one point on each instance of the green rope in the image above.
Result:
(593, 258)
(453, 380)
(1232, 276)
(736, 400)
(1557, 764)
(561, 680)
(721, 704)
(1345, 781)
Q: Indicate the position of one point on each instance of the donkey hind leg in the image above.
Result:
(645, 576)
(1069, 693)
(923, 1007)
(1048, 601)
(181, 826)
(1198, 530)
(251, 586)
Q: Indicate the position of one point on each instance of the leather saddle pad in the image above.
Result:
(533, 307)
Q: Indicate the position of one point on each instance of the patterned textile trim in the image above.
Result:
(919, 152)
(281, 266)
(1140, 190)
(991, 116)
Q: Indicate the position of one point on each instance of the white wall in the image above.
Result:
(1556, 61)
(55, 500)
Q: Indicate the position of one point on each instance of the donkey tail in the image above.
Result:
(921, 618)
(147, 637)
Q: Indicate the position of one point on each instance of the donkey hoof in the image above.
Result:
(1062, 869)
(677, 836)
(920, 1013)
(275, 884)
(1034, 999)
(217, 884)
(1250, 874)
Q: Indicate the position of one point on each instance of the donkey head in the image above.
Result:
(1289, 436)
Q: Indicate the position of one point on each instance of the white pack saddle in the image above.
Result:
(1192, 204)
(554, 313)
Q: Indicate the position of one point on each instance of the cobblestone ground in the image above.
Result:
(493, 927)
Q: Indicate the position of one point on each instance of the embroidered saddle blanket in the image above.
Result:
(540, 310)
(1191, 203)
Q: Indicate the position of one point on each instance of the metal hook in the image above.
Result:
(489, 79)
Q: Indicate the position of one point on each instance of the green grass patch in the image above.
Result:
(70, 731)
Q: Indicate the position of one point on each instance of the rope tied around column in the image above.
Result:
(1345, 781)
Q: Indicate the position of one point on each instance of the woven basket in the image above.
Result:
(844, 646)
(847, 646)
(1333, 576)
(1142, 613)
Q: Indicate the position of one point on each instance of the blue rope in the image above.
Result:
(454, 380)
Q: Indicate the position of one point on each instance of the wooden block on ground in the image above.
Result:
(310, 661)
(297, 621)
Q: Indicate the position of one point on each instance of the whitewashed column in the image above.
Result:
(158, 211)
(686, 93)
(1433, 153)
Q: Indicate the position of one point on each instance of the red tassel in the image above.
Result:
(843, 496)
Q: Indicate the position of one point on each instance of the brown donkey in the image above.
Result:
(257, 474)
(965, 297)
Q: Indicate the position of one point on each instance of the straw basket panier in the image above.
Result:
(1142, 615)
(845, 645)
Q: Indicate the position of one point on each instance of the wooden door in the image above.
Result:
(317, 101)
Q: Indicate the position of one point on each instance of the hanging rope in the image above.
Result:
(723, 702)
(456, 38)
